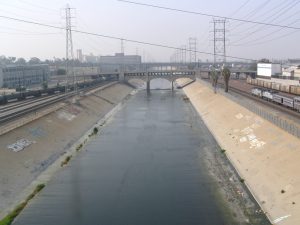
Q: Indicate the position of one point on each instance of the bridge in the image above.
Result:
(150, 75)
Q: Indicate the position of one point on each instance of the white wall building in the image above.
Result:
(268, 70)
(113, 63)
(15, 76)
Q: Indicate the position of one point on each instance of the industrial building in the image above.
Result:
(79, 55)
(16, 76)
(118, 61)
(91, 58)
(269, 70)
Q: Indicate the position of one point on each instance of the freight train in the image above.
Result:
(291, 89)
(22, 95)
(278, 98)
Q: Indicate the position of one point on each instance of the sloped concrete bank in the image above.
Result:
(54, 139)
(266, 157)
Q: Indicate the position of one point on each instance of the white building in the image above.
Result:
(268, 70)
(91, 58)
(15, 76)
(115, 62)
(79, 55)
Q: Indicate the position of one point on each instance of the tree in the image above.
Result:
(21, 61)
(6, 61)
(12, 59)
(264, 60)
(34, 60)
(214, 74)
(226, 76)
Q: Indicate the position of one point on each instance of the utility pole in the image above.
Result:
(122, 46)
(122, 66)
(219, 41)
(193, 49)
(69, 48)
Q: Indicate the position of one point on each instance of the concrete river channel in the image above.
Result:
(145, 167)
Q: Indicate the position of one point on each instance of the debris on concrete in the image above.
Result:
(20, 145)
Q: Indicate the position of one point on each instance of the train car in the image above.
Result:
(257, 92)
(285, 88)
(268, 94)
(276, 86)
(3, 99)
(297, 103)
(33, 93)
(277, 98)
(288, 102)
(295, 90)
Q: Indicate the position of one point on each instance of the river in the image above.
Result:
(145, 167)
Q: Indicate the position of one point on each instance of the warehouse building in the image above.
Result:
(116, 62)
(16, 76)
(269, 70)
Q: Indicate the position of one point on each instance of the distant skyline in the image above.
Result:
(114, 18)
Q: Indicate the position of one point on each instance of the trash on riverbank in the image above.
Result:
(20, 145)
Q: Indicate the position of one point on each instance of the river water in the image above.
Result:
(144, 168)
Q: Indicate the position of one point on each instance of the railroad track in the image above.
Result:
(26, 102)
(12, 113)
(262, 101)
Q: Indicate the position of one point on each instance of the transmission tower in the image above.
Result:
(219, 33)
(122, 46)
(182, 53)
(193, 49)
(69, 47)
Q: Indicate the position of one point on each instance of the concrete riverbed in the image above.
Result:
(155, 162)
(51, 137)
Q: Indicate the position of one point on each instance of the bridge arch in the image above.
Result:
(148, 76)
(182, 77)
(138, 82)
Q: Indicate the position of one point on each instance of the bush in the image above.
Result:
(65, 162)
(95, 131)
(79, 147)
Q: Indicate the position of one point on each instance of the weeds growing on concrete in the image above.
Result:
(95, 130)
(11, 216)
(242, 180)
(223, 150)
(79, 147)
(65, 162)
(185, 98)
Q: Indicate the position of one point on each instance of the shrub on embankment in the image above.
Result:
(12, 215)
(65, 162)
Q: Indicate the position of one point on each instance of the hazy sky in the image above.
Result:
(111, 17)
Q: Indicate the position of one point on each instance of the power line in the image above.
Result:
(242, 6)
(273, 17)
(251, 14)
(116, 38)
(210, 15)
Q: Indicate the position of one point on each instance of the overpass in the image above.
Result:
(147, 76)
